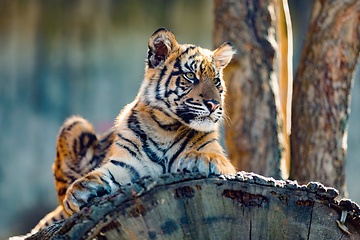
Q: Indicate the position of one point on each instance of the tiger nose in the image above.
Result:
(212, 105)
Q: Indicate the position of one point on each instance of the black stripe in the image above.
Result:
(191, 102)
(162, 73)
(68, 128)
(173, 73)
(154, 157)
(71, 167)
(81, 183)
(216, 120)
(113, 179)
(182, 147)
(134, 125)
(177, 83)
(103, 147)
(193, 62)
(166, 127)
(91, 138)
(60, 179)
(132, 171)
(161, 110)
(74, 147)
(71, 178)
(185, 92)
(62, 214)
(98, 158)
(188, 67)
(177, 139)
(104, 142)
(106, 137)
(202, 67)
(185, 115)
(203, 135)
(194, 108)
(186, 51)
(104, 180)
(129, 141)
(148, 58)
(73, 195)
(206, 143)
(127, 149)
(95, 160)
(67, 204)
(62, 191)
(84, 146)
(156, 145)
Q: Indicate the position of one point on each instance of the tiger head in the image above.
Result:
(185, 81)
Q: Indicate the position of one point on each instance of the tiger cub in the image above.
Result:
(171, 126)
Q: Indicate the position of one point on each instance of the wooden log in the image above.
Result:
(192, 206)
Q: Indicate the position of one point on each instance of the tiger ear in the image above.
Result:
(223, 55)
(161, 44)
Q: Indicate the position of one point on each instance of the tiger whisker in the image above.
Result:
(226, 118)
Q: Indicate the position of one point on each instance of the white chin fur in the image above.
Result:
(204, 125)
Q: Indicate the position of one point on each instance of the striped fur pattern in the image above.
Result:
(78, 152)
(171, 126)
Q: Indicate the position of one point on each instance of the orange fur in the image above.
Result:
(171, 126)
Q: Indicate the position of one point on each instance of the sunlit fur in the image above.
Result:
(171, 126)
(166, 87)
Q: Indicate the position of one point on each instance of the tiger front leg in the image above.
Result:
(204, 162)
(83, 190)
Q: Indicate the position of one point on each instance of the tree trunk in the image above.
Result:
(321, 96)
(188, 206)
(253, 135)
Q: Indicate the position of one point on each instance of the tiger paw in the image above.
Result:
(204, 162)
(81, 192)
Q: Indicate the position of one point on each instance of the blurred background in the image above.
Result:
(86, 57)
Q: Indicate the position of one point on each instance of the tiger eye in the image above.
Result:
(189, 76)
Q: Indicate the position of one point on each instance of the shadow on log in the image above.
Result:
(192, 206)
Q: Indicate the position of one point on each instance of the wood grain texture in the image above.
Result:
(321, 97)
(191, 206)
(254, 136)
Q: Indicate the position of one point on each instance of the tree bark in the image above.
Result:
(188, 206)
(253, 135)
(321, 96)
